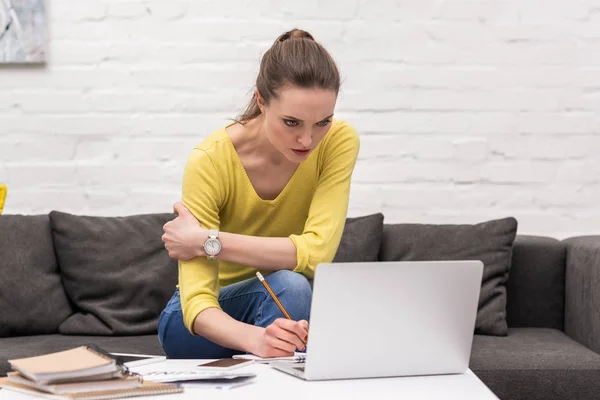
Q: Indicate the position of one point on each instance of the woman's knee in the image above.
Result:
(294, 290)
(167, 332)
(290, 282)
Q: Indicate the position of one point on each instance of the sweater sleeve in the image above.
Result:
(199, 277)
(323, 229)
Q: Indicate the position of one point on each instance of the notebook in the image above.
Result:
(297, 357)
(146, 389)
(128, 382)
(86, 362)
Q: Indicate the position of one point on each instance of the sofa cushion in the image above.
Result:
(361, 239)
(536, 363)
(115, 270)
(536, 283)
(491, 242)
(28, 346)
(32, 298)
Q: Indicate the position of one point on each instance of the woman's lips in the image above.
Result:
(301, 152)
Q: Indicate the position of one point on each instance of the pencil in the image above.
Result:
(266, 285)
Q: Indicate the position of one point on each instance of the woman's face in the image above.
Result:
(297, 120)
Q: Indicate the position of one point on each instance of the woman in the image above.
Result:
(267, 193)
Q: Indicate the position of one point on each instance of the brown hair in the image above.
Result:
(295, 58)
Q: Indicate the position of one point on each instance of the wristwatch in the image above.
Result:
(212, 246)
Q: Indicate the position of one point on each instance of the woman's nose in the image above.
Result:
(305, 139)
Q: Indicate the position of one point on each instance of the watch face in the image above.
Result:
(212, 247)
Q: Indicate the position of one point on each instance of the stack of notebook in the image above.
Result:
(85, 372)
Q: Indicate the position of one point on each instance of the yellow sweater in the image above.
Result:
(311, 210)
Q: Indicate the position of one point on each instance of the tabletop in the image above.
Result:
(273, 384)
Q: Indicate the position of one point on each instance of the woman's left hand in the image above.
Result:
(183, 236)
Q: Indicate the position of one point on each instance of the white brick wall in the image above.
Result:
(468, 110)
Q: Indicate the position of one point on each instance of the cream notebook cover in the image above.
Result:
(146, 389)
(128, 382)
(83, 361)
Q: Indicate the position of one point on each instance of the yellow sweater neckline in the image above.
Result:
(238, 163)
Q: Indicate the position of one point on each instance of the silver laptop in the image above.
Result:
(383, 319)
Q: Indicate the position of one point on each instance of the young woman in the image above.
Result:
(267, 193)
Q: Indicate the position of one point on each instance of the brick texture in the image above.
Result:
(467, 110)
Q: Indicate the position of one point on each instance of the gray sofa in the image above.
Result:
(67, 280)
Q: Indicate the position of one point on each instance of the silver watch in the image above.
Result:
(212, 246)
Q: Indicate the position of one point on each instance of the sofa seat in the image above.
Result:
(26, 346)
(536, 363)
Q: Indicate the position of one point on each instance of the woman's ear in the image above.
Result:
(260, 101)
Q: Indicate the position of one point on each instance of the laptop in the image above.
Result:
(384, 319)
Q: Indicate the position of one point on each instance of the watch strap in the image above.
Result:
(212, 234)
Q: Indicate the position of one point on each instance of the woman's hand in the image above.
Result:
(183, 237)
(282, 338)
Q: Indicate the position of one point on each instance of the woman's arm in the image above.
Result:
(319, 241)
(220, 328)
(184, 238)
(270, 253)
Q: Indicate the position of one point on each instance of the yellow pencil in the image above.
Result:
(266, 285)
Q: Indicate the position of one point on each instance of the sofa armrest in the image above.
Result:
(582, 290)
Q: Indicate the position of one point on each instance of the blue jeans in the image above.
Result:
(247, 301)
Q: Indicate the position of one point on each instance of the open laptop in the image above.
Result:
(382, 319)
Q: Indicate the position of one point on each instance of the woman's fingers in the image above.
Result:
(287, 336)
(304, 324)
(300, 329)
(293, 332)
(282, 345)
(283, 337)
(177, 208)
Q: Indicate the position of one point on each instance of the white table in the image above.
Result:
(273, 384)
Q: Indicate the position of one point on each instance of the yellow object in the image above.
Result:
(311, 210)
(273, 295)
(3, 192)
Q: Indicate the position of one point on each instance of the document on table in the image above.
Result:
(182, 376)
(220, 384)
(187, 373)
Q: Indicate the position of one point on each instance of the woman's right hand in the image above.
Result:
(282, 338)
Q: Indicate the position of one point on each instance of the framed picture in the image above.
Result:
(22, 31)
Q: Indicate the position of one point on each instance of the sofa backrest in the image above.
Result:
(536, 283)
(32, 298)
(71, 274)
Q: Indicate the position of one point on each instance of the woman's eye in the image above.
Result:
(290, 122)
(324, 123)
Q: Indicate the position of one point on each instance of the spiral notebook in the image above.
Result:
(146, 389)
(128, 382)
